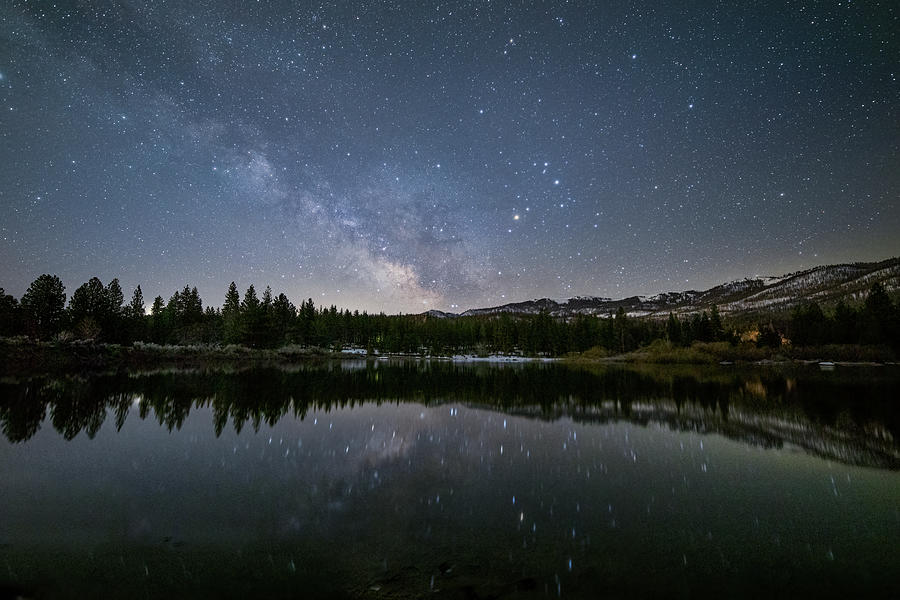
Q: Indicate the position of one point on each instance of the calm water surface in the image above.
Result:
(406, 480)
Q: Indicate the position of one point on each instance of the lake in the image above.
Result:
(408, 479)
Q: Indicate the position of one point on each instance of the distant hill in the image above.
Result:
(825, 284)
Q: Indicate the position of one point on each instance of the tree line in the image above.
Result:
(98, 312)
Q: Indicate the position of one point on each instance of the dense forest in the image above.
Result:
(98, 312)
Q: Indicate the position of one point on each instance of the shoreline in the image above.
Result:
(723, 353)
(22, 356)
(627, 359)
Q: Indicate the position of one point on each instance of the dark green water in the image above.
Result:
(408, 480)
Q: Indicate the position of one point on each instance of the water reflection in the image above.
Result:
(848, 415)
(399, 480)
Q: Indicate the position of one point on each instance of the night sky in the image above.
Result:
(407, 156)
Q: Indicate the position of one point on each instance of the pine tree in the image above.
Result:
(267, 335)
(87, 309)
(768, 336)
(43, 306)
(250, 301)
(673, 329)
(114, 297)
(232, 301)
(251, 319)
(157, 307)
(716, 330)
(111, 319)
(621, 329)
(195, 306)
(879, 321)
(307, 318)
(188, 307)
(136, 306)
(158, 325)
(9, 314)
(808, 325)
(703, 328)
(846, 328)
(283, 315)
(231, 315)
(134, 316)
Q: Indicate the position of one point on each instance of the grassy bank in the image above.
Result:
(705, 353)
(20, 355)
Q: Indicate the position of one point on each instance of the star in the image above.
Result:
(381, 150)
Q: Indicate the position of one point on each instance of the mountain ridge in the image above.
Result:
(825, 284)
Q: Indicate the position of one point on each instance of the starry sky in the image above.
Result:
(403, 156)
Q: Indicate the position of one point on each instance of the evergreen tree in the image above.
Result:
(212, 329)
(878, 318)
(194, 306)
(620, 327)
(136, 306)
(87, 309)
(157, 307)
(703, 328)
(189, 307)
(182, 318)
(846, 329)
(231, 315)
(267, 335)
(111, 319)
(171, 318)
(808, 325)
(717, 331)
(582, 333)
(768, 336)
(158, 325)
(9, 314)
(134, 316)
(306, 318)
(114, 297)
(43, 306)
(283, 315)
(252, 317)
(250, 301)
(673, 329)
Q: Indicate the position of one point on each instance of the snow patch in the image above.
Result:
(497, 358)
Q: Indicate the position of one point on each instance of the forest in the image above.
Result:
(98, 313)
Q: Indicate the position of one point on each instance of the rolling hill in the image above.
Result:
(825, 284)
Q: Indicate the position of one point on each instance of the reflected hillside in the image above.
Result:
(847, 415)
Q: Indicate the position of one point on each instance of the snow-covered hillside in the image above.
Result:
(825, 284)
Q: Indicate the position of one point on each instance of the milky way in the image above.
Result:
(405, 156)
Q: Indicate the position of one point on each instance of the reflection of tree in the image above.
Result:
(81, 405)
(78, 410)
(699, 399)
(22, 409)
